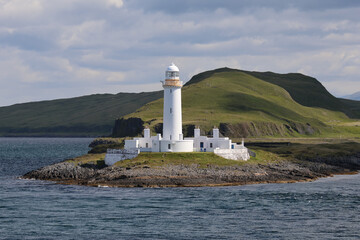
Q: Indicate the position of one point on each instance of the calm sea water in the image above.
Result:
(325, 209)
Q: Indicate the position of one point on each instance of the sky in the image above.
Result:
(67, 48)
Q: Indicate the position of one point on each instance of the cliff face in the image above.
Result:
(130, 127)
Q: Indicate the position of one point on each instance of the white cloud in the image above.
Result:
(115, 77)
(20, 8)
(82, 35)
(115, 3)
(63, 48)
(342, 88)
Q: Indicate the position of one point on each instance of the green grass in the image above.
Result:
(203, 160)
(161, 159)
(88, 159)
(305, 90)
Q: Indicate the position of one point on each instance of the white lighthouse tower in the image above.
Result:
(172, 124)
(172, 139)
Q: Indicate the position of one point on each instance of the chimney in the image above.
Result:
(146, 133)
(196, 132)
(215, 133)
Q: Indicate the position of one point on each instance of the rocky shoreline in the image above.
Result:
(194, 175)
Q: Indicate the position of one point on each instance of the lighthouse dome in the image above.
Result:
(172, 68)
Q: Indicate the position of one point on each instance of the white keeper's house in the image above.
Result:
(172, 139)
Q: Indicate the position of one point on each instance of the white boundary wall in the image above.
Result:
(115, 155)
(233, 154)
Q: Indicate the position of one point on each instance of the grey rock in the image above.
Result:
(193, 175)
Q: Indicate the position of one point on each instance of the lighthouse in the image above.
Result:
(172, 139)
(172, 124)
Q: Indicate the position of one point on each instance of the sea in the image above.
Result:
(328, 208)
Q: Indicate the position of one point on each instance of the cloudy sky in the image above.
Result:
(67, 48)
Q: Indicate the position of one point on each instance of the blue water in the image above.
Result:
(325, 209)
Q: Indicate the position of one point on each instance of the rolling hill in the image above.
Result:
(244, 104)
(240, 103)
(303, 89)
(91, 115)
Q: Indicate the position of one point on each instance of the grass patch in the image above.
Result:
(161, 159)
(263, 157)
(203, 160)
(95, 160)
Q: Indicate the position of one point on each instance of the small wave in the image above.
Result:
(23, 178)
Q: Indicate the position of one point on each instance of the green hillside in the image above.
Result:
(303, 89)
(247, 104)
(91, 115)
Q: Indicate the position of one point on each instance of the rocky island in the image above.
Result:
(275, 162)
(235, 104)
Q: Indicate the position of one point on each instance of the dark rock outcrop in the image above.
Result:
(130, 127)
(101, 145)
(188, 129)
(100, 141)
(62, 171)
(158, 128)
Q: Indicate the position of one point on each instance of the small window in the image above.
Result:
(170, 90)
(170, 137)
(170, 110)
(169, 146)
(147, 145)
(210, 145)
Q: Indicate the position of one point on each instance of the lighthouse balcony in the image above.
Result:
(173, 82)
